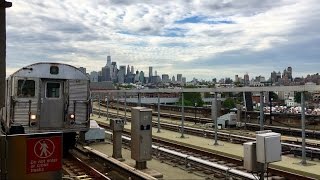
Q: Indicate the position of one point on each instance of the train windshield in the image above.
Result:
(26, 88)
(53, 90)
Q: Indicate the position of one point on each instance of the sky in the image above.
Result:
(198, 38)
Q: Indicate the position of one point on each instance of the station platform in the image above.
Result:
(168, 171)
(288, 163)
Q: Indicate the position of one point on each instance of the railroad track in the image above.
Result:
(314, 134)
(205, 163)
(75, 167)
(288, 147)
(85, 163)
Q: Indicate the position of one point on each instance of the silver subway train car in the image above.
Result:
(47, 97)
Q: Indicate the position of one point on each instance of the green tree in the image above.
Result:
(297, 96)
(229, 103)
(190, 98)
(274, 96)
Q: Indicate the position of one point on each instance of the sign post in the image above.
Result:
(31, 156)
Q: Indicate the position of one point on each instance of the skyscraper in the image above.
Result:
(121, 74)
(246, 79)
(128, 70)
(179, 77)
(132, 70)
(165, 78)
(108, 60)
(150, 73)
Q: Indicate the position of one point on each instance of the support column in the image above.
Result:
(3, 6)
(158, 113)
(125, 108)
(261, 111)
(303, 129)
(182, 115)
(215, 117)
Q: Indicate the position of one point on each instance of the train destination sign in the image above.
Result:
(44, 154)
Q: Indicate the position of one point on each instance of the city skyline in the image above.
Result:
(202, 39)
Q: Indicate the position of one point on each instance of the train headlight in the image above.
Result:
(33, 116)
(71, 116)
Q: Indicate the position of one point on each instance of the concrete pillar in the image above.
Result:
(182, 115)
(158, 113)
(303, 129)
(261, 111)
(117, 127)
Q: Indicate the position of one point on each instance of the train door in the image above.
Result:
(52, 104)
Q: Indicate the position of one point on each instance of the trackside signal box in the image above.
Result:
(141, 134)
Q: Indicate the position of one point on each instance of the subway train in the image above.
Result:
(47, 97)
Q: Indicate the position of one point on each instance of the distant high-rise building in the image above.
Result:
(236, 79)
(141, 77)
(150, 73)
(83, 69)
(246, 79)
(121, 74)
(128, 70)
(289, 71)
(94, 76)
(132, 70)
(184, 80)
(108, 60)
(179, 77)
(274, 77)
(165, 78)
(173, 79)
(114, 71)
(105, 72)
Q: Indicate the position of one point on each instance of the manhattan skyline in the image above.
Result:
(202, 39)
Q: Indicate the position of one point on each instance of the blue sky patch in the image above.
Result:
(204, 19)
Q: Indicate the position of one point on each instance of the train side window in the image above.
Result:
(26, 88)
(53, 90)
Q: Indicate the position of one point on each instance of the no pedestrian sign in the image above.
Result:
(44, 154)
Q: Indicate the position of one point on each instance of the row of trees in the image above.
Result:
(195, 99)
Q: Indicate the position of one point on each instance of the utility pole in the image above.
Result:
(3, 5)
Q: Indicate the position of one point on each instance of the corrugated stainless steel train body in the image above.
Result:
(47, 97)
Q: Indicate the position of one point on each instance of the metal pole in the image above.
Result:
(117, 105)
(270, 106)
(99, 106)
(139, 99)
(107, 101)
(182, 115)
(3, 6)
(195, 113)
(303, 128)
(261, 111)
(215, 111)
(158, 113)
(125, 108)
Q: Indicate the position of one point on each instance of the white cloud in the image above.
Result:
(145, 33)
